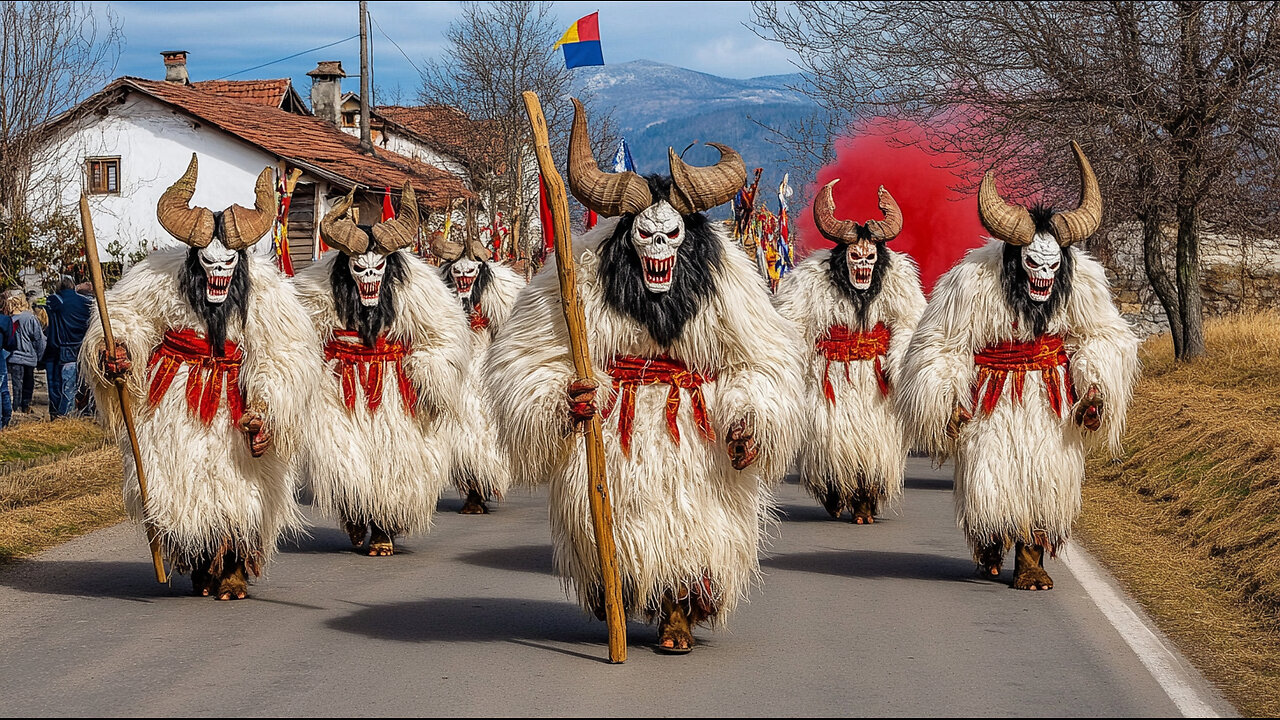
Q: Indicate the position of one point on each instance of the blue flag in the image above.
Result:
(622, 158)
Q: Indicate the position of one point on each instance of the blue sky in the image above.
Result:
(226, 37)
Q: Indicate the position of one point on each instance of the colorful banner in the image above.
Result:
(581, 43)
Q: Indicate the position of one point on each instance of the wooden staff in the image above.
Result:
(601, 506)
(126, 405)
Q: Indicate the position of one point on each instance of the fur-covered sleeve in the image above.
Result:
(500, 297)
(136, 308)
(526, 372)
(903, 305)
(938, 367)
(437, 364)
(763, 370)
(1106, 350)
(282, 364)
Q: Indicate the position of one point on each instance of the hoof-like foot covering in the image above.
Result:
(864, 508)
(675, 632)
(357, 532)
(990, 559)
(1028, 569)
(381, 542)
(234, 583)
(475, 504)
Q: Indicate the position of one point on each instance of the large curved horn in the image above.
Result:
(1009, 223)
(698, 189)
(193, 226)
(888, 228)
(1075, 225)
(446, 250)
(403, 231)
(337, 230)
(243, 227)
(842, 232)
(608, 194)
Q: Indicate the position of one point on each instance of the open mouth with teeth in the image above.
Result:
(862, 276)
(369, 290)
(463, 283)
(1039, 289)
(658, 271)
(216, 286)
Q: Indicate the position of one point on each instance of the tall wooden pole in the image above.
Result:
(126, 404)
(366, 133)
(601, 506)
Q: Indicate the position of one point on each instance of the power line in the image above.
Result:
(289, 57)
(393, 42)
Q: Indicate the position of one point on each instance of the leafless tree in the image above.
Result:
(1177, 101)
(496, 51)
(52, 54)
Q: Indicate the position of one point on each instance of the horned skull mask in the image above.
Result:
(219, 237)
(861, 240)
(367, 248)
(219, 263)
(658, 229)
(1042, 250)
(464, 272)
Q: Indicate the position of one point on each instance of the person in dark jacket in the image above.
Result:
(69, 314)
(8, 342)
(49, 362)
(25, 357)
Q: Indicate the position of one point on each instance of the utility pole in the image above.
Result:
(366, 138)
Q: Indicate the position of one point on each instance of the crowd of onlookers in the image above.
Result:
(42, 334)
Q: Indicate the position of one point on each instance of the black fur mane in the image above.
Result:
(838, 271)
(664, 315)
(483, 278)
(192, 280)
(1013, 277)
(368, 321)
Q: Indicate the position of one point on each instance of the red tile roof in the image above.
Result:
(257, 92)
(309, 143)
(447, 129)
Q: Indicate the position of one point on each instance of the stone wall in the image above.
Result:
(1239, 274)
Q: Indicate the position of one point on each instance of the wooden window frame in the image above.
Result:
(90, 188)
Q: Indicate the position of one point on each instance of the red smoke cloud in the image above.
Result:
(939, 224)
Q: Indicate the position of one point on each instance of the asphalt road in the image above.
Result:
(881, 620)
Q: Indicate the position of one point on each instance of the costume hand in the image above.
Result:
(256, 432)
(960, 417)
(741, 441)
(582, 400)
(1089, 412)
(116, 365)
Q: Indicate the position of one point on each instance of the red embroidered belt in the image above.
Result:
(357, 362)
(996, 363)
(207, 374)
(629, 372)
(842, 345)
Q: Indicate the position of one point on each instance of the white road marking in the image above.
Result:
(1163, 663)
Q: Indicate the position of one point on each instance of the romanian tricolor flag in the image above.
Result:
(581, 43)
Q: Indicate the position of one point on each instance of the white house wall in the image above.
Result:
(154, 144)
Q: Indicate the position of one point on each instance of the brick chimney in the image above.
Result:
(175, 66)
(326, 91)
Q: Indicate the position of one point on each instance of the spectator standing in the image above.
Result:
(24, 358)
(49, 361)
(7, 343)
(69, 314)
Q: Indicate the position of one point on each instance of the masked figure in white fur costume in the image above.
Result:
(217, 352)
(487, 291)
(1020, 363)
(857, 306)
(396, 346)
(701, 398)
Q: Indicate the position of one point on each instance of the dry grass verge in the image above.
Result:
(57, 481)
(1189, 519)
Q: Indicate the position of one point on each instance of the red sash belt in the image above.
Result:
(479, 321)
(997, 362)
(629, 372)
(842, 345)
(206, 374)
(359, 362)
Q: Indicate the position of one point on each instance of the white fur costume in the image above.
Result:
(1020, 468)
(203, 484)
(861, 434)
(679, 510)
(481, 462)
(388, 466)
